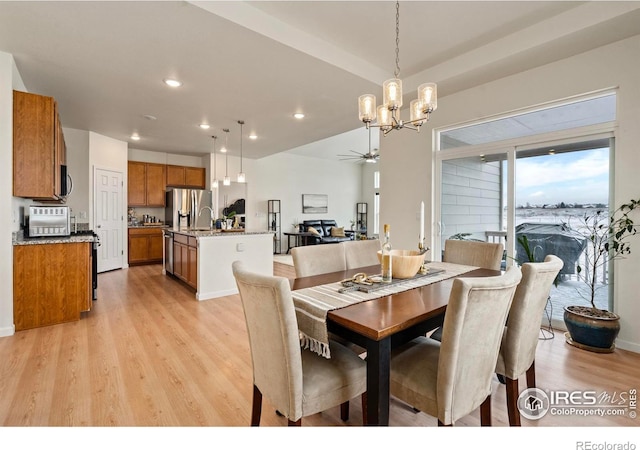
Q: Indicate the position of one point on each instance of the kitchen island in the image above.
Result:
(202, 258)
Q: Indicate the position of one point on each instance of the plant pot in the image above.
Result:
(591, 328)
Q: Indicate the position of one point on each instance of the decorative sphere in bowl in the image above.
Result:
(404, 263)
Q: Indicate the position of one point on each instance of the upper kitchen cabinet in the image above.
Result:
(146, 184)
(189, 177)
(39, 150)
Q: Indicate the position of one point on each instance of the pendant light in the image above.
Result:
(241, 176)
(214, 183)
(227, 180)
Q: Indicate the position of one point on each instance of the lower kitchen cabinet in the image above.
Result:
(51, 283)
(145, 246)
(185, 259)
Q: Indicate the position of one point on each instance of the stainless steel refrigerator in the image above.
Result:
(184, 208)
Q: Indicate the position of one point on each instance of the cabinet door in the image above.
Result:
(175, 176)
(155, 246)
(192, 254)
(138, 249)
(194, 177)
(177, 259)
(136, 183)
(33, 146)
(49, 283)
(155, 184)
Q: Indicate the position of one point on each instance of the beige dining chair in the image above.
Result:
(297, 382)
(361, 253)
(520, 339)
(486, 255)
(451, 379)
(310, 260)
(317, 259)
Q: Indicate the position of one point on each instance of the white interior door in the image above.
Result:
(109, 218)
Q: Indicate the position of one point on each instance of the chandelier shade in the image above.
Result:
(387, 116)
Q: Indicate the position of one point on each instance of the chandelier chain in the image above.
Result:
(396, 73)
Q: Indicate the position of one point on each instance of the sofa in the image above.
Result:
(323, 227)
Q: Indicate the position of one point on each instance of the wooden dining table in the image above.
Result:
(384, 323)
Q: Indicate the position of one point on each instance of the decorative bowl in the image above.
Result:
(404, 263)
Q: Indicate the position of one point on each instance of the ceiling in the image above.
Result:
(260, 62)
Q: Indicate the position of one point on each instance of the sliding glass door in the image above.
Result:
(533, 187)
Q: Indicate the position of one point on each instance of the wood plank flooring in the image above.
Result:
(149, 354)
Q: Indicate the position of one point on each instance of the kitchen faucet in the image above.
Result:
(210, 214)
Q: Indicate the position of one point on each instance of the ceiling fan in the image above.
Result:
(370, 157)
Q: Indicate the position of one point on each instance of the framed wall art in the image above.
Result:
(315, 203)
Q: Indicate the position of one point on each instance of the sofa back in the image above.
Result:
(322, 226)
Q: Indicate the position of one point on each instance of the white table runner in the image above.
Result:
(312, 304)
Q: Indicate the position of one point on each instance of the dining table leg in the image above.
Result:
(378, 379)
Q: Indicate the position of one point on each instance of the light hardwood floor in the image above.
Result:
(149, 354)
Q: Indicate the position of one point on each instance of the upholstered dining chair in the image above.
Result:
(520, 338)
(487, 255)
(317, 259)
(310, 260)
(449, 380)
(361, 253)
(297, 382)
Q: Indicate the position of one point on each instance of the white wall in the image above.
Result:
(77, 142)
(609, 66)
(286, 177)
(9, 79)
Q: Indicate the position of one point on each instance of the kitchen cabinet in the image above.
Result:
(146, 184)
(185, 259)
(145, 246)
(39, 151)
(183, 176)
(51, 283)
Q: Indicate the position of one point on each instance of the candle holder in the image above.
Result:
(423, 268)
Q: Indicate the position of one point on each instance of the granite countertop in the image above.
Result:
(216, 233)
(155, 225)
(19, 239)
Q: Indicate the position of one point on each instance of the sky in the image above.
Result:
(576, 177)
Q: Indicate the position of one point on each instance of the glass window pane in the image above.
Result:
(572, 115)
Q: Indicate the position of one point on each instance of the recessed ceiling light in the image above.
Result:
(298, 116)
(205, 126)
(171, 82)
(253, 136)
(135, 137)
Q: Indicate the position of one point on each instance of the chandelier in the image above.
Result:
(388, 114)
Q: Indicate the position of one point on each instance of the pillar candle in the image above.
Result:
(421, 221)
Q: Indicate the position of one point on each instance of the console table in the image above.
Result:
(301, 238)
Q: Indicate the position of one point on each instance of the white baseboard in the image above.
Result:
(215, 294)
(8, 331)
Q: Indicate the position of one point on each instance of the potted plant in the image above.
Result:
(590, 327)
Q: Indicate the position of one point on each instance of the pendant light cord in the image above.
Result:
(241, 122)
(397, 71)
